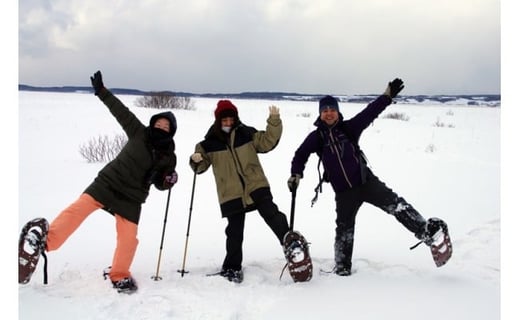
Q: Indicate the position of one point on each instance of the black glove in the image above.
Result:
(394, 88)
(293, 182)
(97, 82)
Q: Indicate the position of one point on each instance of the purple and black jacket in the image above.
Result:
(338, 146)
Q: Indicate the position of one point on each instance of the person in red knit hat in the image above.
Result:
(232, 149)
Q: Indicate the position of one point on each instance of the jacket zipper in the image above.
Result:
(238, 165)
(336, 151)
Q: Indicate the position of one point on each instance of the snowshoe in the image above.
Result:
(436, 236)
(126, 285)
(439, 241)
(296, 251)
(31, 245)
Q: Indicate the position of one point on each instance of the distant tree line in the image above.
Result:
(164, 100)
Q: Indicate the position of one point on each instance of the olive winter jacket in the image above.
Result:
(236, 166)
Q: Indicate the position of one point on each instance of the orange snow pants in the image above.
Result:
(71, 218)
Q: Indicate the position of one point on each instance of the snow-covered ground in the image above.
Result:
(445, 160)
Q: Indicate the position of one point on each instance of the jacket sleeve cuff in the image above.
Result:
(274, 119)
(104, 93)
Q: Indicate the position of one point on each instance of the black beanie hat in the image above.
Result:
(328, 102)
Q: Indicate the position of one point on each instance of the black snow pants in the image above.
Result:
(375, 192)
(268, 210)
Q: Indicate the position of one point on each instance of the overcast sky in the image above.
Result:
(231, 46)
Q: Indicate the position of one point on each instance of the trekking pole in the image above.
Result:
(156, 277)
(291, 225)
(182, 271)
(293, 204)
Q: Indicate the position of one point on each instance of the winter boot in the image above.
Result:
(435, 235)
(343, 248)
(236, 276)
(342, 270)
(126, 285)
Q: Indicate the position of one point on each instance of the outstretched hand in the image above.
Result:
(394, 87)
(274, 111)
(97, 82)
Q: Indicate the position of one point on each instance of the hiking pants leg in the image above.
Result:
(125, 248)
(234, 238)
(268, 210)
(69, 220)
(347, 206)
(275, 219)
(378, 194)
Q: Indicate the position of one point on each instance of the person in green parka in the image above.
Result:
(123, 185)
(232, 149)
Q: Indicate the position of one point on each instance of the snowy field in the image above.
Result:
(445, 160)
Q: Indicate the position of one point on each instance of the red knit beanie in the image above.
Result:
(225, 109)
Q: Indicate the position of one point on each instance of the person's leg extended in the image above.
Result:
(268, 210)
(378, 194)
(69, 220)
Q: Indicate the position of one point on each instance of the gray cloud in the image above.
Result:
(326, 46)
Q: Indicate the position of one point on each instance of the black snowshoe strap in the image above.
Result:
(44, 267)
(416, 245)
(106, 272)
(318, 188)
(433, 225)
(283, 270)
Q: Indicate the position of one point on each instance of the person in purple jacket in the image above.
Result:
(335, 140)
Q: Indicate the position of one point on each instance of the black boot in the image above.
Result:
(343, 248)
(125, 285)
(432, 230)
(232, 275)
